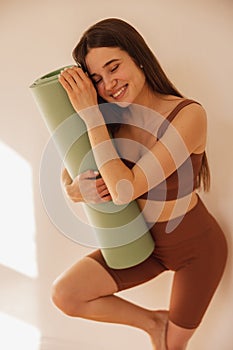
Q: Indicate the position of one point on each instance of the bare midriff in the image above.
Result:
(157, 211)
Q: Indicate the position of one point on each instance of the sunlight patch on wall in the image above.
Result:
(17, 224)
(16, 334)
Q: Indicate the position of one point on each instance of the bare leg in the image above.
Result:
(86, 290)
(178, 337)
(159, 334)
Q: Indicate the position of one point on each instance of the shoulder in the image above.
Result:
(192, 115)
(195, 107)
(191, 125)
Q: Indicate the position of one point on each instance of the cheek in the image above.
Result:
(100, 90)
(140, 83)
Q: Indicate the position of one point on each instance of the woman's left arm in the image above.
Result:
(183, 137)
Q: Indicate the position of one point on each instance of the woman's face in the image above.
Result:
(116, 76)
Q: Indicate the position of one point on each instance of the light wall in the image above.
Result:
(193, 42)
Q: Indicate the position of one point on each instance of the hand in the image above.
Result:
(86, 187)
(79, 87)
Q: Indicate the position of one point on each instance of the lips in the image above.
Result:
(120, 92)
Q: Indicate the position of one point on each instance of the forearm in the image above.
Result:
(117, 176)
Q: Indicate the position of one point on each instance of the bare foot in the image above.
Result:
(158, 334)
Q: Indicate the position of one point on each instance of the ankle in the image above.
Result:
(151, 325)
(155, 320)
(158, 332)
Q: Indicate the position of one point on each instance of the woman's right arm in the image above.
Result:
(86, 187)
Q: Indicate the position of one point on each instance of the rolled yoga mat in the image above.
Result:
(125, 222)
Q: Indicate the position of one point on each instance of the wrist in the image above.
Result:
(92, 117)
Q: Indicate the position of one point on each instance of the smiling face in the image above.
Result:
(116, 76)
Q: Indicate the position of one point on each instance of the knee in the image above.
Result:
(62, 298)
(176, 344)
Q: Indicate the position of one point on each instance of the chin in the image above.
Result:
(122, 104)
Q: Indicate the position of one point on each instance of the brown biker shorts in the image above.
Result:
(195, 250)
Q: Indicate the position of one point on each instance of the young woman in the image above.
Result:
(152, 165)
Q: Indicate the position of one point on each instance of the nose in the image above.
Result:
(109, 83)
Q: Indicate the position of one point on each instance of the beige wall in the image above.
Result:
(193, 41)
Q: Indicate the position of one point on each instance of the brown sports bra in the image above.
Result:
(184, 180)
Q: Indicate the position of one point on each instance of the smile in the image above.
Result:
(120, 91)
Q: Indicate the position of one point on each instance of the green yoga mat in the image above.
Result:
(125, 223)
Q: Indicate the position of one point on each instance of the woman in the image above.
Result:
(119, 68)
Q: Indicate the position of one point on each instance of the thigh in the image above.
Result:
(196, 280)
(86, 280)
(132, 276)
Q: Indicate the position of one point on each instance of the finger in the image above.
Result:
(83, 75)
(101, 188)
(66, 85)
(104, 193)
(100, 182)
(76, 74)
(106, 198)
(89, 174)
(68, 76)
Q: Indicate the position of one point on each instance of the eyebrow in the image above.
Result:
(106, 64)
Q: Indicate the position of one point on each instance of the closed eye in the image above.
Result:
(97, 81)
(115, 68)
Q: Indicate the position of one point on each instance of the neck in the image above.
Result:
(150, 99)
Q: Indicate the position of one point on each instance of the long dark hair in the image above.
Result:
(114, 32)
